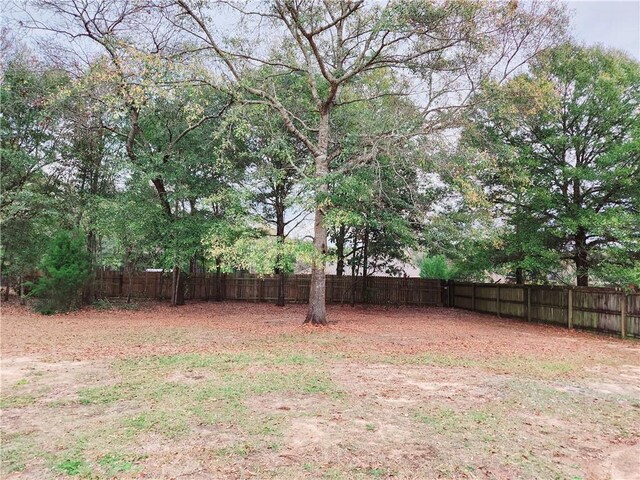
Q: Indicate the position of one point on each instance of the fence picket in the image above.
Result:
(380, 290)
(595, 308)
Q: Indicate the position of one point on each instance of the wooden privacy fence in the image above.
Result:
(253, 288)
(593, 308)
(603, 309)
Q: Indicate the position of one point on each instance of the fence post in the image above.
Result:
(473, 296)
(261, 290)
(570, 308)
(498, 299)
(223, 286)
(623, 316)
(451, 297)
(155, 278)
(529, 304)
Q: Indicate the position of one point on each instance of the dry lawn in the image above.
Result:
(238, 390)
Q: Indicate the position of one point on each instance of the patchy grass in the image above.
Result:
(17, 450)
(73, 466)
(118, 463)
(170, 423)
(17, 401)
(521, 366)
(383, 394)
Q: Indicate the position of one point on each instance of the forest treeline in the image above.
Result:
(222, 136)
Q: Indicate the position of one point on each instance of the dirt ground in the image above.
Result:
(240, 390)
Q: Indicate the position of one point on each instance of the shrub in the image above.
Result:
(102, 304)
(436, 267)
(65, 269)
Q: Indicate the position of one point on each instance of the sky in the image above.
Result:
(612, 23)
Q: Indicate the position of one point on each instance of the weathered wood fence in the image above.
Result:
(252, 288)
(593, 308)
(603, 309)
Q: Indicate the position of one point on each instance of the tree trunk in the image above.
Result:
(365, 263)
(182, 282)
(582, 259)
(340, 251)
(89, 293)
(3, 276)
(205, 279)
(280, 301)
(130, 272)
(354, 273)
(279, 270)
(177, 287)
(218, 280)
(281, 283)
(317, 313)
(519, 276)
(7, 286)
(22, 291)
(161, 287)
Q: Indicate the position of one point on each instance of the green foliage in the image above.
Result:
(374, 199)
(24, 241)
(132, 225)
(73, 466)
(436, 267)
(65, 269)
(162, 164)
(28, 130)
(242, 248)
(30, 210)
(376, 205)
(114, 463)
(551, 159)
(102, 304)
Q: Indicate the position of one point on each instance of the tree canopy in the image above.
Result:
(556, 154)
(470, 132)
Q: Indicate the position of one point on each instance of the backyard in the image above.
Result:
(242, 390)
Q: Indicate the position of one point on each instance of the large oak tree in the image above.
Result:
(438, 51)
(556, 151)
